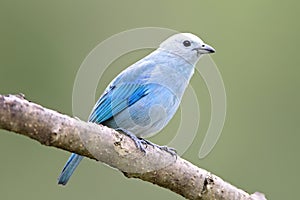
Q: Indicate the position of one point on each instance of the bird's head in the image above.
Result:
(186, 45)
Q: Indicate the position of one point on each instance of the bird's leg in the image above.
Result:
(138, 142)
(170, 150)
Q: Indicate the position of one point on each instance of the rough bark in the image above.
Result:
(115, 149)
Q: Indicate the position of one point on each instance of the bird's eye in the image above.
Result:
(186, 43)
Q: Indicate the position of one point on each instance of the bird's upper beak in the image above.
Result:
(204, 49)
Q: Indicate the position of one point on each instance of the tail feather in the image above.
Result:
(69, 168)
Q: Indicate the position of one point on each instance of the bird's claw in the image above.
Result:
(138, 142)
(170, 150)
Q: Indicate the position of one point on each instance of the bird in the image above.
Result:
(143, 98)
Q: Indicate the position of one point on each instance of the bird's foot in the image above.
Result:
(140, 142)
(137, 141)
(170, 150)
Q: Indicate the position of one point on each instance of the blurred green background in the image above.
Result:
(43, 43)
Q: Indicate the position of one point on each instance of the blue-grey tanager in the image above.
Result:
(143, 98)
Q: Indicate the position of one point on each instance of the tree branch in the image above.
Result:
(115, 149)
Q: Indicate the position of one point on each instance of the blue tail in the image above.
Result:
(69, 168)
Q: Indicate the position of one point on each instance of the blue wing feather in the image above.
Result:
(117, 99)
(123, 91)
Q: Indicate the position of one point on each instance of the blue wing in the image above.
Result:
(129, 86)
(118, 98)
